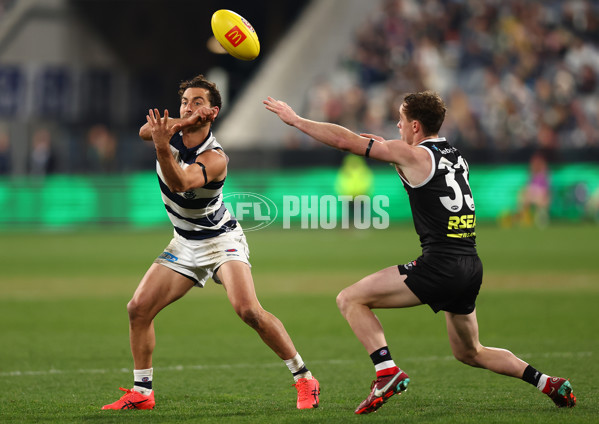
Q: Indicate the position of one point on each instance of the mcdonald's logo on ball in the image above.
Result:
(235, 36)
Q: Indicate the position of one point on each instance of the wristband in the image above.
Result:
(369, 147)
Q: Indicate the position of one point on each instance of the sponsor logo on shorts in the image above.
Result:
(168, 257)
(410, 265)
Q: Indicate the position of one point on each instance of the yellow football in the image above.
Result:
(235, 34)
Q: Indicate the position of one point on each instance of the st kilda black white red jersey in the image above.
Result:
(199, 213)
(442, 205)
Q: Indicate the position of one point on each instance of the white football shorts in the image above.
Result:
(199, 259)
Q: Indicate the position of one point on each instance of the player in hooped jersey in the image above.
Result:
(448, 274)
(207, 243)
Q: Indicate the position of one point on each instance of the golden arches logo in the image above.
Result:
(235, 36)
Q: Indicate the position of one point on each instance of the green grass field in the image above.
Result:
(64, 334)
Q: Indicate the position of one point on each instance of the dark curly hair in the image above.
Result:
(428, 108)
(201, 82)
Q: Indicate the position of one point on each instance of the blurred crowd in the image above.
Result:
(514, 73)
(5, 5)
(92, 151)
(517, 75)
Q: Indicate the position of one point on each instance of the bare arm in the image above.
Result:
(210, 166)
(213, 163)
(391, 151)
(330, 134)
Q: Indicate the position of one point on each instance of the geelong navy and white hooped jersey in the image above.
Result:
(442, 205)
(199, 213)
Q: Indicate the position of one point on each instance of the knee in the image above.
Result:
(135, 309)
(342, 301)
(346, 301)
(132, 308)
(251, 315)
(352, 297)
(467, 356)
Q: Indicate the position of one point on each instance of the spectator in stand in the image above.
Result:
(519, 68)
(4, 152)
(101, 153)
(41, 160)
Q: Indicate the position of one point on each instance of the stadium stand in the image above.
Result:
(518, 76)
(515, 74)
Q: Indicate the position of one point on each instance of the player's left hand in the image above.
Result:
(282, 109)
(161, 133)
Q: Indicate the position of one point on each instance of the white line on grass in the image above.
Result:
(270, 364)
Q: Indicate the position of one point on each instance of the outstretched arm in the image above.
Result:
(203, 114)
(414, 162)
(369, 145)
(330, 134)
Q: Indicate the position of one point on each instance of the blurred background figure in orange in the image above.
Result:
(4, 152)
(535, 197)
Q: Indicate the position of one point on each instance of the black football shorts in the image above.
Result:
(445, 282)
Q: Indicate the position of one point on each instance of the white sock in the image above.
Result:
(542, 382)
(306, 374)
(144, 376)
(385, 365)
(296, 364)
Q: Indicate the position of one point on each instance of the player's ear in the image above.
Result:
(216, 111)
(416, 126)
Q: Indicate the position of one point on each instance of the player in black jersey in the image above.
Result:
(448, 274)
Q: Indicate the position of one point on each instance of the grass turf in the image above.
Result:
(64, 341)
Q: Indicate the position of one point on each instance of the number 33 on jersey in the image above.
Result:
(442, 205)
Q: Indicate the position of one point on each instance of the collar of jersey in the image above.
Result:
(433, 140)
(188, 153)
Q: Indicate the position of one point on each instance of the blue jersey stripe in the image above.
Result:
(182, 201)
(213, 185)
(187, 155)
(207, 221)
(206, 234)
